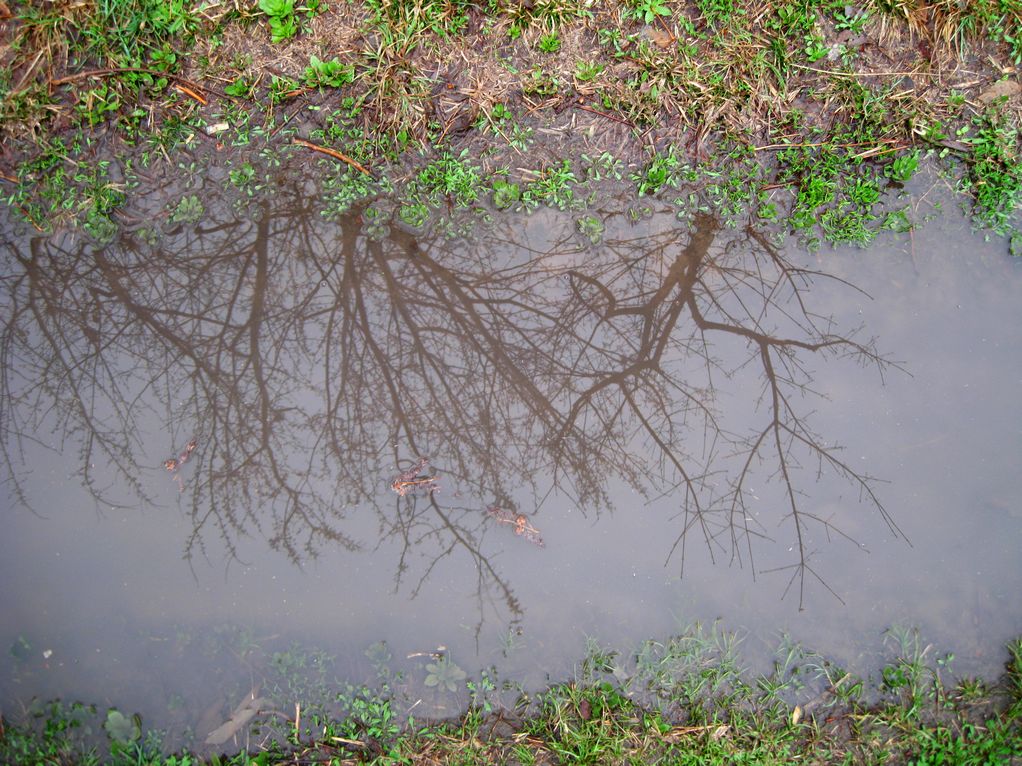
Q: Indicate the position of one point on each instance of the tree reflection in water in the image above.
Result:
(312, 363)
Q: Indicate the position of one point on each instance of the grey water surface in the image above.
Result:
(697, 424)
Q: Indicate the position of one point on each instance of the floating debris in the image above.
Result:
(240, 716)
(520, 522)
(173, 465)
(413, 480)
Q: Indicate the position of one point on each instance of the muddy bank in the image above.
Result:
(813, 110)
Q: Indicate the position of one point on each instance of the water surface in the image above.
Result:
(696, 422)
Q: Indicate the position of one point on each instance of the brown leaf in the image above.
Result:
(242, 714)
(1000, 89)
(661, 39)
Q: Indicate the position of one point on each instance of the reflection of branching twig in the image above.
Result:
(295, 348)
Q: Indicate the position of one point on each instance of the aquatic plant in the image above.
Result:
(121, 729)
(444, 674)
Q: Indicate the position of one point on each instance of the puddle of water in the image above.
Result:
(671, 401)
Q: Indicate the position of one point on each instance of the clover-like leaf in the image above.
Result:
(120, 728)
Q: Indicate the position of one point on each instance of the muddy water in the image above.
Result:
(695, 424)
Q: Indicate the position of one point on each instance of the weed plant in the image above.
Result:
(685, 700)
(663, 84)
(995, 170)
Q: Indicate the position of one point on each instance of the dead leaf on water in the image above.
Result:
(242, 714)
(212, 715)
(796, 715)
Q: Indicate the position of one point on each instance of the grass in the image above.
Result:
(661, 85)
(685, 700)
(995, 170)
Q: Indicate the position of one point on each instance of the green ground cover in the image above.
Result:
(686, 700)
(808, 113)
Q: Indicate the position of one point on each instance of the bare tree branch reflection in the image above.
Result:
(312, 362)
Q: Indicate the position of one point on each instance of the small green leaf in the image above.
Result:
(282, 28)
(328, 73)
(240, 88)
(121, 729)
(505, 194)
(277, 7)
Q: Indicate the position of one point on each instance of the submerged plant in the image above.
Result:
(415, 214)
(591, 228)
(21, 650)
(343, 189)
(121, 729)
(659, 172)
(553, 187)
(189, 209)
(444, 674)
(505, 194)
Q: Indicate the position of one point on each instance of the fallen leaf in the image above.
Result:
(585, 710)
(242, 714)
(999, 89)
(661, 39)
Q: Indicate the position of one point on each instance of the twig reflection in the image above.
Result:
(292, 349)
